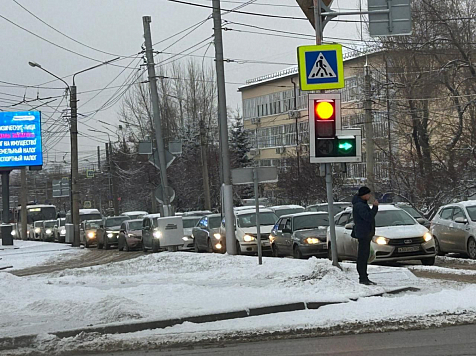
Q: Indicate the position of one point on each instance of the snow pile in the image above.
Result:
(33, 253)
(173, 285)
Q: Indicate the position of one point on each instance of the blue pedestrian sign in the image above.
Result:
(321, 67)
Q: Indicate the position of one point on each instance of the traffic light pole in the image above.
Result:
(328, 166)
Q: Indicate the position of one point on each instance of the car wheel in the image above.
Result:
(297, 254)
(472, 248)
(430, 261)
(209, 246)
(155, 246)
(274, 251)
(238, 248)
(437, 248)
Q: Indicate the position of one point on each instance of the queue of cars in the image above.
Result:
(402, 233)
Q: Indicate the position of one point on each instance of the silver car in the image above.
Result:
(398, 236)
(454, 228)
(189, 222)
(206, 235)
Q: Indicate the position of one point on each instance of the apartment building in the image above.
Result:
(275, 114)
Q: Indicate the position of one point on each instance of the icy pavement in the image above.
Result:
(33, 253)
(174, 285)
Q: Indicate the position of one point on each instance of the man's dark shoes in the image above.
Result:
(368, 282)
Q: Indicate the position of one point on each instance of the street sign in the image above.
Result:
(154, 159)
(321, 67)
(60, 188)
(397, 22)
(245, 175)
(307, 6)
(89, 173)
(159, 194)
(175, 147)
(87, 204)
(145, 147)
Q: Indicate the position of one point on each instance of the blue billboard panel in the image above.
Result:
(20, 139)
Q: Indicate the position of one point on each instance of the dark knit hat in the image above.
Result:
(363, 191)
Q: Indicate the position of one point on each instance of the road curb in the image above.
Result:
(27, 340)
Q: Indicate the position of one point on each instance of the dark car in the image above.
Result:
(300, 235)
(108, 233)
(206, 235)
(88, 232)
(130, 235)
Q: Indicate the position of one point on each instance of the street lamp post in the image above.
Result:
(74, 146)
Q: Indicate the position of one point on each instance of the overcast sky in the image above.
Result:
(115, 27)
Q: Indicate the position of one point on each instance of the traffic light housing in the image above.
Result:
(328, 142)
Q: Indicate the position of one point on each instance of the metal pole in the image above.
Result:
(109, 180)
(389, 123)
(6, 229)
(369, 131)
(154, 97)
(222, 117)
(203, 154)
(328, 166)
(74, 165)
(115, 201)
(23, 198)
(99, 159)
(258, 228)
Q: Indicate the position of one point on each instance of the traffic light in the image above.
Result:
(328, 142)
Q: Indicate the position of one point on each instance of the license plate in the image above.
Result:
(409, 249)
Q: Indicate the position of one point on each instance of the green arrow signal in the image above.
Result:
(345, 146)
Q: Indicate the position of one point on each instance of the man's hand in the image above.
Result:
(375, 203)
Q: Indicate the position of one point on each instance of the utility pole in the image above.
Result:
(204, 158)
(99, 159)
(389, 123)
(74, 164)
(154, 97)
(108, 160)
(222, 117)
(115, 201)
(296, 113)
(369, 130)
(23, 202)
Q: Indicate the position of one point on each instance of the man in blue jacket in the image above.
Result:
(364, 230)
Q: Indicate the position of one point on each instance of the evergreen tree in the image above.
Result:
(240, 145)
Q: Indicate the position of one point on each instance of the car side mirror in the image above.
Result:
(349, 226)
(461, 220)
(287, 231)
(421, 221)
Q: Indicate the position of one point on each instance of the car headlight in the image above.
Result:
(63, 232)
(110, 234)
(157, 234)
(312, 240)
(92, 235)
(248, 238)
(185, 238)
(48, 231)
(37, 230)
(271, 238)
(218, 246)
(217, 236)
(13, 233)
(380, 240)
(427, 236)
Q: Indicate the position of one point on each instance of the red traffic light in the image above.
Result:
(325, 110)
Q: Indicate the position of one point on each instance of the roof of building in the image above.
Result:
(292, 71)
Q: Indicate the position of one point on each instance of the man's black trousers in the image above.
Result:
(363, 257)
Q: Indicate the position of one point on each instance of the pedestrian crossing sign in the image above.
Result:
(321, 67)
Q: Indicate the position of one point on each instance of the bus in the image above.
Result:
(37, 212)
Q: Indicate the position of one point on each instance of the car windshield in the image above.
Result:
(117, 221)
(38, 223)
(472, 212)
(310, 221)
(249, 220)
(93, 224)
(93, 216)
(135, 225)
(49, 224)
(280, 212)
(189, 223)
(393, 218)
(412, 211)
(214, 222)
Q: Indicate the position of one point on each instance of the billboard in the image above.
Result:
(20, 139)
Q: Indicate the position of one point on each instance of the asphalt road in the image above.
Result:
(457, 340)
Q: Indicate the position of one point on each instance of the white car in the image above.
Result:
(281, 210)
(398, 236)
(246, 232)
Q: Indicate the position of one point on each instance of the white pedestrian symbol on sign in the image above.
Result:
(321, 68)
